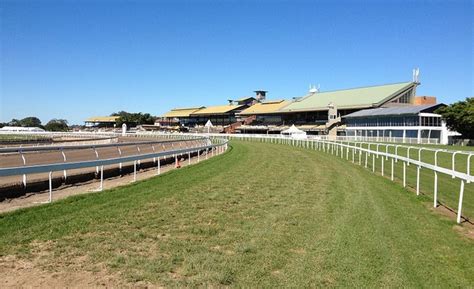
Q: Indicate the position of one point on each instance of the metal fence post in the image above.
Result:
(97, 157)
(366, 158)
(101, 178)
(382, 164)
(50, 187)
(120, 154)
(404, 174)
(134, 171)
(158, 167)
(24, 164)
(391, 172)
(435, 190)
(418, 180)
(373, 163)
(461, 194)
(139, 151)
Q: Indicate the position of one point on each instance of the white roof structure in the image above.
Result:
(21, 129)
(294, 132)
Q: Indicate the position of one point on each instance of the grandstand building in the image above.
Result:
(102, 121)
(390, 110)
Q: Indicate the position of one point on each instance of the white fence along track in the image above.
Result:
(213, 146)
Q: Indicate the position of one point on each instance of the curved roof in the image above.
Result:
(363, 97)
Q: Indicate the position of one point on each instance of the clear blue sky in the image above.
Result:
(75, 59)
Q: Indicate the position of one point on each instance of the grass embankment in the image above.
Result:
(15, 138)
(261, 215)
(448, 188)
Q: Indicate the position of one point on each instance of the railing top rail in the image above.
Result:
(12, 171)
(75, 147)
(447, 171)
(413, 147)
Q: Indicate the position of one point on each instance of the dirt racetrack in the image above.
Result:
(12, 186)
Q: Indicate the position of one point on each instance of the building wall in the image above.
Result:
(421, 100)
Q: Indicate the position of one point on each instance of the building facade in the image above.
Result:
(390, 111)
(398, 123)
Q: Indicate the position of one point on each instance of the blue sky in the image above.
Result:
(75, 59)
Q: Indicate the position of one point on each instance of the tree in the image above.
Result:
(30, 121)
(133, 118)
(57, 125)
(459, 116)
(14, 122)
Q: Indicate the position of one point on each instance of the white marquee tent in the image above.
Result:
(294, 132)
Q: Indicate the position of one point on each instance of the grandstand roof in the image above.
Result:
(266, 107)
(363, 97)
(103, 119)
(402, 110)
(245, 98)
(218, 109)
(182, 112)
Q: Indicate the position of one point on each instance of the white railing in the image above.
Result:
(22, 149)
(214, 146)
(408, 140)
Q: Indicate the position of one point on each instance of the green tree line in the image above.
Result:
(459, 117)
(132, 118)
(32, 121)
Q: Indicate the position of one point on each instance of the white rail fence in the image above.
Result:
(212, 147)
(407, 140)
(64, 148)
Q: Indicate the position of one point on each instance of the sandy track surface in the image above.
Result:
(37, 198)
(48, 157)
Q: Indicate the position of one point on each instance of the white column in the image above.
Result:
(444, 133)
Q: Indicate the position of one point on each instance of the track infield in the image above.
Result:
(261, 215)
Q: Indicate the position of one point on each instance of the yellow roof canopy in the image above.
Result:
(266, 107)
(218, 109)
(182, 112)
(103, 119)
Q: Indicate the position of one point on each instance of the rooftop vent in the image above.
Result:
(313, 89)
(260, 95)
(416, 75)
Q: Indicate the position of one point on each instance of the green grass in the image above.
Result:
(261, 215)
(21, 137)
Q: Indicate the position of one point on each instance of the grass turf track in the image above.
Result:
(261, 215)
